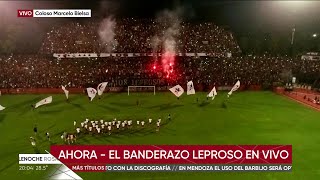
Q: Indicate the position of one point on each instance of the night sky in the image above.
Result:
(238, 16)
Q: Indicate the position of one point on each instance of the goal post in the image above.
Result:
(135, 87)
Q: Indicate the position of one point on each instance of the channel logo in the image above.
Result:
(25, 13)
(54, 13)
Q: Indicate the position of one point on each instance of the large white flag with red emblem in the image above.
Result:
(66, 92)
(190, 89)
(91, 93)
(213, 93)
(47, 100)
(101, 87)
(177, 90)
(234, 88)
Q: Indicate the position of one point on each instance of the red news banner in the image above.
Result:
(178, 157)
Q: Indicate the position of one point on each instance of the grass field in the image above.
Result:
(249, 118)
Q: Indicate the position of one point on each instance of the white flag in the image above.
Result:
(47, 100)
(101, 87)
(190, 87)
(177, 90)
(1, 108)
(66, 92)
(91, 93)
(234, 88)
(213, 93)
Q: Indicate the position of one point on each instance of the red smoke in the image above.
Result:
(168, 60)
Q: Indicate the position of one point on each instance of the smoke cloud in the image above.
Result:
(107, 34)
(170, 21)
(155, 42)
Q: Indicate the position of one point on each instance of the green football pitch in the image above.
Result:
(246, 118)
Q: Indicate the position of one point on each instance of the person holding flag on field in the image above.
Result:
(91, 92)
(101, 87)
(177, 90)
(44, 101)
(234, 88)
(190, 89)
(212, 93)
(66, 92)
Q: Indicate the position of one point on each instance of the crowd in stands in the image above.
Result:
(139, 35)
(35, 71)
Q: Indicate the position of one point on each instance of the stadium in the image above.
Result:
(175, 74)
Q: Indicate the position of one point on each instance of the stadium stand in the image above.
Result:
(35, 71)
(134, 36)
